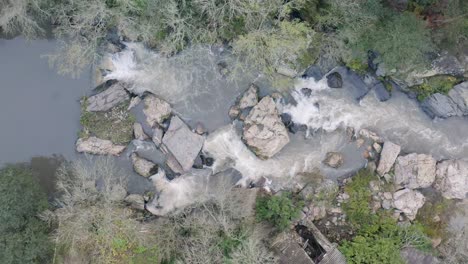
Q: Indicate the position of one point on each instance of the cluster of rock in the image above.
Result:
(263, 132)
(455, 103)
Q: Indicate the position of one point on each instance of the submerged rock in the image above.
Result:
(264, 132)
(249, 98)
(439, 105)
(334, 80)
(334, 159)
(107, 99)
(388, 156)
(452, 178)
(97, 146)
(143, 167)
(156, 110)
(415, 171)
(182, 143)
(409, 202)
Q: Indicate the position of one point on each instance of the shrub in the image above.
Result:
(23, 236)
(379, 237)
(279, 210)
(437, 84)
(22, 16)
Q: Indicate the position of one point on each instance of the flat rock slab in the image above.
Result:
(264, 132)
(111, 97)
(182, 143)
(415, 171)
(388, 156)
(97, 146)
(440, 105)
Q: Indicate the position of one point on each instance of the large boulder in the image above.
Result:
(182, 143)
(415, 171)
(381, 92)
(334, 80)
(452, 178)
(439, 105)
(97, 146)
(249, 98)
(143, 167)
(156, 110)
(107, 99)
(408, 201)
(459, 95)
(314, 72)
(264, 132)
(388, 156)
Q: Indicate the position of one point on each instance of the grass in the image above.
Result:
(441, 207)
(358, 66)
(115, 125)
(437, 84)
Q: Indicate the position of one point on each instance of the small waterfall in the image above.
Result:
(399, 119)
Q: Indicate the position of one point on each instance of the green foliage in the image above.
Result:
(115, 125)
(279, 210)
(452, 34)
(358, 66)
(437, 84)
(23, 236)
(440, 207)
(379, 237)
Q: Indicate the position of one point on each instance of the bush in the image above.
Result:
(23, 236)
(379, 237)
(279, 210)
(437, 84)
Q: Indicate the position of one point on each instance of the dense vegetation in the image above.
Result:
(23, 236)
(379, 237)
(267, 35)
(279, 210)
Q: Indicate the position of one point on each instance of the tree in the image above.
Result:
(22, 16)
(279, 210)
(23, 236)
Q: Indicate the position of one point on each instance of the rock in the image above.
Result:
(388, 156)
(264, 132)
(360, 142)
(234, 112)
(436, 242)
(200, 129)
(452, 178)
(334, 159)
(198, 163)
(366, 133)
(371, 166)
(138, 132)
(182, 143)
(249, 98)
(173, 164)
(244, 113)
(314, 72)
(97, 146)
(386, 204)
(442, 106)
(334, 80)
(135, 201)
(374, 186)
(387, 195)
(377, 147)
(306, 92)
(107, 99)
(133, 102)
(157, 136)
(415, 171)
(155, 110)
(409, 202)
(354, 83)
(381, 92)
(459, 95)
(207, 161)
(143, 167)
(286, 71)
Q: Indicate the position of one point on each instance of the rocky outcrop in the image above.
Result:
(459, 95)
(182, 143)
(104, 101)
(333, 159)
(388, 156)
(249, 98)
(155, 110)
(415, 171)
(143, 167)
(135, 201)
(138, 132)
(442, 106)
(452, 178)
(97, 146)
(408, 202)
(264, 132)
